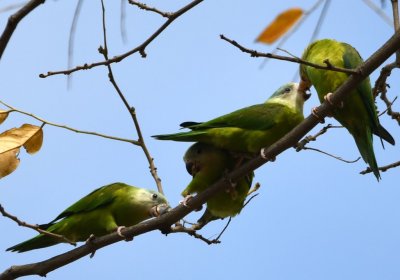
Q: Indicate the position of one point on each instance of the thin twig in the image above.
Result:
(381, 88)
(131, 110)
(179, 228)
(389, 105)
(13, 21)
(333, 156)
(151, 9)
(34, 227)
(141, 48)
(300, 146)
(224, 229)
(13, 109)
(254, 53)
(382, 168)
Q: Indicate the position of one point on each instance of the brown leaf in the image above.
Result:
(281, 24)
(8, 162)
(3, 116)
(34, 143)
(29, 136)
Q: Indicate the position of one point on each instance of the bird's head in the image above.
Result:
(290, 95)
(154, 201)
(201, 156)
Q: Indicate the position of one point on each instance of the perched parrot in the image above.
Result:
(357, 112)
(252, 128)
(103, 211)
(207, 164)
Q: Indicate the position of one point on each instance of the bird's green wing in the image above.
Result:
(256, 117)
(98, 198)
(351, 60)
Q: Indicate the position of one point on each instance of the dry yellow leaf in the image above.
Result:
(3, 116)
(34, 143)
(29, 136)
(8, 162)
(281, 24)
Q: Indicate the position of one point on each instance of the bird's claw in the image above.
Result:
(328, 98)
(123, 236)
(185, 200)
(263, 154)
(314, 112)
(90, 238)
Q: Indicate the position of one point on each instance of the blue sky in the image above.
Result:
(315, 217)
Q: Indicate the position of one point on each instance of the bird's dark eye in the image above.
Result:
(288, 89)
(199, 151)
(155, 195)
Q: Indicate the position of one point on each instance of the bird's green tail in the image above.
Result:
(365, 146)
(189, 136)
(37, 242)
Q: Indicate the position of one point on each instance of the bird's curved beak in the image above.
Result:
(159, 210)
(192, 167)
(304, 87)
(189, 167)
(306, 95)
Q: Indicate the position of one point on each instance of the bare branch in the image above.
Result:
(34, 227)
(254, 53)
(131, 110)
(382, 168)
(140, 49)
(13, 21)
(13, 109)
(330, 155)
(177, 213)
(151, 9)
(300, 146)
(179, 228)
(381, 88)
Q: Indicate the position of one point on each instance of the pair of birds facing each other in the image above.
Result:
(250, 129)
(223, 141)
(106, 209)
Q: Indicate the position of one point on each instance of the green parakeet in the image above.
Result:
(358, 112)
(207, 164)
(251, 128)
(100, 212)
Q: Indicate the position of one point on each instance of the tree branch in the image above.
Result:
(13, 109)
(382, 168)
(141, 48)
(13, 21)
(151, 9)
(254, 53)
(177, 213)
(34, 227)
(131, 110)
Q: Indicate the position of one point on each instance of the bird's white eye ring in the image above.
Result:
(288, 89)
(155, 195)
